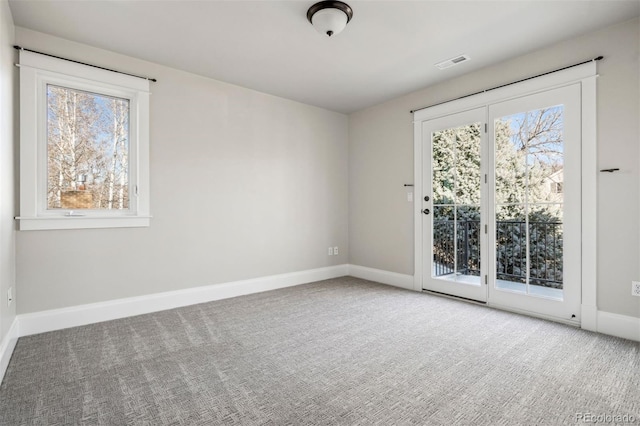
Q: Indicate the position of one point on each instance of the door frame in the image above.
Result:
(586, 76)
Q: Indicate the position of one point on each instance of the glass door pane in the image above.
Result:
(456, 203)
(529, 156)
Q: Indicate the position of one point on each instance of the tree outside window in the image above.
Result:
(87, 150)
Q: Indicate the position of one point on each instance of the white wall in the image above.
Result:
(381, 160)
(7, 179)
(243, 185)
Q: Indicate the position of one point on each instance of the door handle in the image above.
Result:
(425, 211)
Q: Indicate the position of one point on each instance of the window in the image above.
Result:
(83, 147)
(556, 187)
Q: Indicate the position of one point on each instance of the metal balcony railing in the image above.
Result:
(463, 247)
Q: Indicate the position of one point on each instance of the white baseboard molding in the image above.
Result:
(603, 322)
(57, 319)
(40, 322)
(7, 345)
(619, 325)
(385, 277)
(589, 317)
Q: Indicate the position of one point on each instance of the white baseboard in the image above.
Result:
(57, 319)
(619, 325)
(603, 322)
(385, 277)
(7, 346)
(589, 317)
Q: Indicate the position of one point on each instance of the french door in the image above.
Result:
(501, 213)
(455, 204)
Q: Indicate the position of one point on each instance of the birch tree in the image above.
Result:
(87, 135)
(119, 171)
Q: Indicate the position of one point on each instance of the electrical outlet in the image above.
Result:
(335, 251)
(410, 197)
(9, 296)
(635, 288)
(330, 251)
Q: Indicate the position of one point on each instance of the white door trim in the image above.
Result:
(589, 319)
(585, 75)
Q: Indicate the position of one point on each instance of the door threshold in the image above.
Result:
(570, 322)
(451, 296)
(565, 321)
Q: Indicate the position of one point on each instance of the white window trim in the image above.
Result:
(36, 71)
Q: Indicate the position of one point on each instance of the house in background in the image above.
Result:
(270, 144)
(554, 182)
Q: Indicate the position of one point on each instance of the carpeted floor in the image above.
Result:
(342, 351)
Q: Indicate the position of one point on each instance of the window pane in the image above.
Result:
(87, 150)
(529, 194)
(456, 198)
(545, 155)
(511, 247)
(467, 155)
(511, 160)
(443, 240)
(546, 248)
(468, 235)
(443, 167)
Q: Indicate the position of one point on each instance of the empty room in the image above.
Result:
(319, 212)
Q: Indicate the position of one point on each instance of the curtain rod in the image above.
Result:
(599, 58)
(84, 63)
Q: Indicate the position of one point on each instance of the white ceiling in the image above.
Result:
(388, 49)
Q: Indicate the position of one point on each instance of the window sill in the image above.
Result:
(85, 222)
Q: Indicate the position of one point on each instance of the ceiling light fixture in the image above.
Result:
(329, 17)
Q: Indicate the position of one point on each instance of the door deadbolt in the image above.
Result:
(426, 198)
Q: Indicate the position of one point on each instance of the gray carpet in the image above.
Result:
(343, 351)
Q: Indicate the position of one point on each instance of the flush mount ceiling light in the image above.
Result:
(329, 17)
